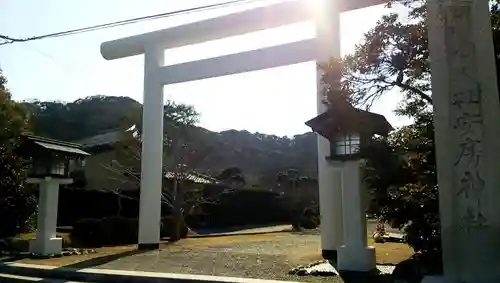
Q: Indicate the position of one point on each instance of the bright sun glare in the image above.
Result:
(316, 4)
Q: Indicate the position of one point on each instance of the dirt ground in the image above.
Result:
(266, 256)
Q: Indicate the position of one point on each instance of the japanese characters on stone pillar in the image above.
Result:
(466, 108)
(467, 131)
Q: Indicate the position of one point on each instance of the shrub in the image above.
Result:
(401, 176)
(14, 244)
(115, 230)
(73, 205)
(119, 231)
(87, 232)
(17, 201)
(66, 241)
(310, 220)
(239, 208)
(166, 228)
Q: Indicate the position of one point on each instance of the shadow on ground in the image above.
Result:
(411, 270)
(88, 263)
(93, 262)
(354, 277)
(232, 229)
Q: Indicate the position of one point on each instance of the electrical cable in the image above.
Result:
(10, 40)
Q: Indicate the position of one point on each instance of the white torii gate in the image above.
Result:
(467, 112)
(322, 48)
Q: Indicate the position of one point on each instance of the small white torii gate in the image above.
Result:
(323, 47)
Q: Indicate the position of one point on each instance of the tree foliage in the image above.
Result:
(393, 56)
(232, 177)
(120, 112)
(300, 196)
(401, 171)
(17, 203)
(180, 194)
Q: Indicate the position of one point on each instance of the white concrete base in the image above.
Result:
(46, 246)
(46, 242)
(356, 258)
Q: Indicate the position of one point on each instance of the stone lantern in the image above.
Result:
(350, 130)
(51, 164)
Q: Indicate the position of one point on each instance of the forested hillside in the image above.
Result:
(258, 155)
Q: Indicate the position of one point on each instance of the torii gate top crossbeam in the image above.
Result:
(252, 20)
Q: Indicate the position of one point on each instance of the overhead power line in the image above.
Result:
(9, 39)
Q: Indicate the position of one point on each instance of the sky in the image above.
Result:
(274, 101)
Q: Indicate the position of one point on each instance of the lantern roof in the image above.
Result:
(343, 117)
(36, 143)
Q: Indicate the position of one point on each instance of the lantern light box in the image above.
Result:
(348, 129)
(51, 158)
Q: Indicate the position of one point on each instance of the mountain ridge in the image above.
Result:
(258, 155)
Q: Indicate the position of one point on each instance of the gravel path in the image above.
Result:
(269, 257)
(264, 256)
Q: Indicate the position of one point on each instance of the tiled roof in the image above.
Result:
(102, 139)
(61, 148)
(105, 138)
(195, 178)
(52, 144)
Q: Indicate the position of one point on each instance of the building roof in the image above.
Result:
(53, 145)
(101, 139)
(107, 138)
(194, 177)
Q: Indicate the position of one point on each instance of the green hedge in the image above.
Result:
(119, 231)
(245, 207)
(235, 208)
(73, 205)
(87, 232)
(113, 231)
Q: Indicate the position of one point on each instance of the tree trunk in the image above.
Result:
(296, 218)
(120, 206)
(177, 215)
(295, 208)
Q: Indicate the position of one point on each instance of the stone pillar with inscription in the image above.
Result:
(467, 133)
